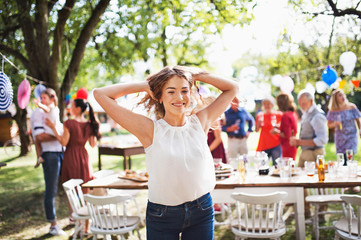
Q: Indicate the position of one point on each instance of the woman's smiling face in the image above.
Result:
(176, 95)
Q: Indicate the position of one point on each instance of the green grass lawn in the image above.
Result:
(21, 197)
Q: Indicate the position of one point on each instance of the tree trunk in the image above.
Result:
(21, 120)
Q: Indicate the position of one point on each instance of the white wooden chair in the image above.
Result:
(80, 213)
(109, 216)
(225, 213)
(323, 196)
(259, 215)
(107, 172)
(349, 227)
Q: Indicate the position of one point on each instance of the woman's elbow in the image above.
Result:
(96, 93)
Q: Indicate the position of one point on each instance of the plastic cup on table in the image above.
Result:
(217, 163)
(310, 167)
(352, 168)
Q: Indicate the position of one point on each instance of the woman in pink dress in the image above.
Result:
(288, 126)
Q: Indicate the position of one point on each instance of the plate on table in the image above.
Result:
(224, 171)
(276, 172)
(134, 176)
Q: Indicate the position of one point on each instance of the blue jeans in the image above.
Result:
(51, 168)
(193, 219)
(275, 153)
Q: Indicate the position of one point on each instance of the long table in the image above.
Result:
(125, 151)
(253, 183)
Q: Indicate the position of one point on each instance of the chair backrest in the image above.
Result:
(356, 201)
(259, 214)
(325, 191)
(75, 195)
(108, 213)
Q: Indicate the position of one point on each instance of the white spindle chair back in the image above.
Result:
(259, 215)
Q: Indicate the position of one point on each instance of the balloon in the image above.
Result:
(321, 86)
(342, 84)
(287, 85)
(67, 99)
(310, 88)
(336, 84)
(38, 90)
(24, 92)
(82, 93)
(329, 75)
(348, 61)
(276, 80)
(73, 96)
(356, 83)
(6, 92)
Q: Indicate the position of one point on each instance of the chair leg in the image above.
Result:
(139, 214)
(315, 222)
(139, 237)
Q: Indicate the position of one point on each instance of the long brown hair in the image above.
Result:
(285, 102)
(333, 104)
(93, 122)
(158, 80)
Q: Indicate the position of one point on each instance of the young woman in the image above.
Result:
(178, 159)
(77, 131)
(344, 117)
(266, 121)
(288, 126)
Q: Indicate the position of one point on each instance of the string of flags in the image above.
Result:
(24, 89)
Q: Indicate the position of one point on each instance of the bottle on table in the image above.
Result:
(320, 167)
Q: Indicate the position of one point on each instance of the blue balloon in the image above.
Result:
(329, 75)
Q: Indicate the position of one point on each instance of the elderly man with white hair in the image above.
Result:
(314, 131)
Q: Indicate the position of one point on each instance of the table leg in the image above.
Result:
(99, 163)
(300, 214)
(125, 162)
(129, 162)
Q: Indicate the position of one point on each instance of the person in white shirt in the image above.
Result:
(52, 153)
(49, 104)
(178, 159)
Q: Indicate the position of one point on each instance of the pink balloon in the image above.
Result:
(24, 92)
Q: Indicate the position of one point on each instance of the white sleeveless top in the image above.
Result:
(179, 163)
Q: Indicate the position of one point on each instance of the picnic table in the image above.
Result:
(126, 151)
(253, 183)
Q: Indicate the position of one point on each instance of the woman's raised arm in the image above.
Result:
(229, 90)
(137, 124)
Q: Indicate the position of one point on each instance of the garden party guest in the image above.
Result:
(236, 119)
(49, 104)
(344, 117)
(178, 159)
(77, 131)
(314, 132)
(288, 126)
(52, 155)
(266, 121)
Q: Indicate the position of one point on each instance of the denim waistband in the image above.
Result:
(186, 204)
